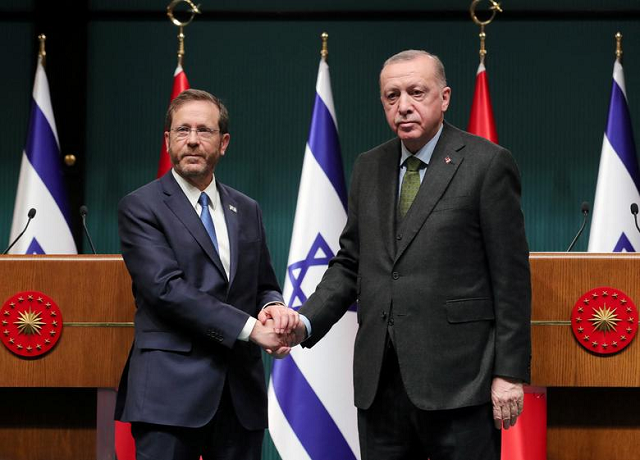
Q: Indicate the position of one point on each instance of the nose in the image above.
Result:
(404, 104)
(193, 138)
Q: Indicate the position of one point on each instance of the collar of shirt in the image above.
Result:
(424, 154)
(193, 193)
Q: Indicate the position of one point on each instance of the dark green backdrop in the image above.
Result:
(549, 67)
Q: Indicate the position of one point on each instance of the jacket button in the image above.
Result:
(384, 314)
(395, 275)
(399, 236)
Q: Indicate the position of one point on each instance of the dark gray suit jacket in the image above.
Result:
(455, 270)
(188, 314)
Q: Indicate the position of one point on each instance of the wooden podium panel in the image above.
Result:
(593, 400)
(51, 404)
(94, 296)
(558, 281)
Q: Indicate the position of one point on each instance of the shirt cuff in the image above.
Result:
(307, 324)
(246, 330)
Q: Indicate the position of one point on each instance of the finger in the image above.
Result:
(497, 416)
(263, 316)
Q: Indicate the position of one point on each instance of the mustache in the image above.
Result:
(399, 120)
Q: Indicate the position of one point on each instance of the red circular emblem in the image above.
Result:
(604, 320)
(31, 324)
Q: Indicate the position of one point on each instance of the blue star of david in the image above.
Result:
(34, 248)
(624, 244)
(319, 255)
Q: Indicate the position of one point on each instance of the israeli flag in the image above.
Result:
(311, 411)
(612, 226)
(41, 184)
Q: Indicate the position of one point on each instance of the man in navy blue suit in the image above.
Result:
(196, 251)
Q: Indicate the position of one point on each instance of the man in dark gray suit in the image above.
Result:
(434, 253)
(196, 251)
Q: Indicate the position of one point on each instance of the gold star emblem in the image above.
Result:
(586, 301)
(605, 293)
(40, 299)
(52, 332)
(54, 323)
(5, 332)
(594, 344)
(614, 343)
(604, 319)
(48, 305)
(580, 309)
(628, 330)
(586, 338)
(630, 319)
(39, 347)
(19, 347)
(47, 341)
(628, 309)
(623, 301)
(53, 313)
(623, 337)
(578, 320)
(12, 305)
(614, 295)
(11, 340)
(581, 330)
(29, 322)
(20, 299)
(594, 295)
(6, 313)
(605, 345)
(29, 297)
(29, 348)
(4, 322)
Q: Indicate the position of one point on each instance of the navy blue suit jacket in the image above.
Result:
(188, 313)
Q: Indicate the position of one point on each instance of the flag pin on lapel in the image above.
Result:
(233, 208)
(447, 160)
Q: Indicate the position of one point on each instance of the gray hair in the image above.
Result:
(410, 55)
(190, 95)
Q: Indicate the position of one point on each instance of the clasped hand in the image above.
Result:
(277, 330)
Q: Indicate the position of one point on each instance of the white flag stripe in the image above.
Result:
(43, 99)
(611, 206)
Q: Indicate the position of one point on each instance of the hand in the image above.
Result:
(507, 397)
(266, 336)
(285, 319)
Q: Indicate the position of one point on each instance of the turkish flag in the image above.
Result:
(180, 83)
(527, 440)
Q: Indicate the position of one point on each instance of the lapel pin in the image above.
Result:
(233, 208)
(447, 160)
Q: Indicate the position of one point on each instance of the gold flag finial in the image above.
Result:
(325, 48)
(194, 9)
(618, 46)
(495, 8)
(42, 53)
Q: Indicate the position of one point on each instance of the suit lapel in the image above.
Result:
(230, 210)
(179, 204)
(444, 163)
(387, 192)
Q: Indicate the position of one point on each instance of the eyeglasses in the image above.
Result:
(183, 132)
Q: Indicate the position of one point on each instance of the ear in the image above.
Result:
(166, 140)
(224, 143)
(446, 98)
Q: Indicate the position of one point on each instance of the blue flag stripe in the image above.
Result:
(620, 133)
(43, 154)
(312, 424)
(325, 146)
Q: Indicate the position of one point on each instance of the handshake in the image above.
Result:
(278, 329)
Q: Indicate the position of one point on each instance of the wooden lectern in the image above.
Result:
(50, 406)
(593, 401)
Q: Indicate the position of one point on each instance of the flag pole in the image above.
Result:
(182, 24)
(324, 53)
(495, 8)
(618, 47)
(42, 53)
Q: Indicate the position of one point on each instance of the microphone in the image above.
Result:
(585, 212)
(634, 211)
(83, 212)
(31, 214)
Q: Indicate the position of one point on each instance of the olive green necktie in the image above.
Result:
(410, 185)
